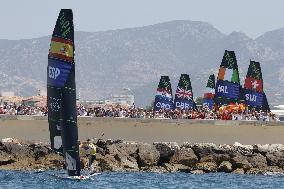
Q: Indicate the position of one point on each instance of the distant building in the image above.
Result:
(122, 99)
(7, 93)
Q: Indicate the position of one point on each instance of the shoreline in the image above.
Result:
(147, 145)
(161, 157)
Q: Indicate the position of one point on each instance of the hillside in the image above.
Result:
(135, 58)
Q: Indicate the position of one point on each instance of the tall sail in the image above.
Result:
(227, 88)
(253, 87)
(184, 96)
(164, 97)
(208, 99)
(61, 92)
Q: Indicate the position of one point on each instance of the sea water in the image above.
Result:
(55, 179)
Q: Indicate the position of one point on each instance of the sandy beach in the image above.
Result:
(149, 130)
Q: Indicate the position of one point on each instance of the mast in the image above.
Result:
(208, 98)
(164, 97)
(61, 92)
(184, 96)
(227, 88)
(253, 87)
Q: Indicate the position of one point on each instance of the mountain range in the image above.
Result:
(108, 62)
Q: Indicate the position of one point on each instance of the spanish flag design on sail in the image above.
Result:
(62, 49)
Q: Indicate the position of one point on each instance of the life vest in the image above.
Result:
(92, 149)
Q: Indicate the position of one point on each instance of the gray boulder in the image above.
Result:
(275, 159)
(184, 156)
(176, 168)
(240, 161)
(257, 161)
(225, 166)
(148, 155)
(166, 150)
(207, 167)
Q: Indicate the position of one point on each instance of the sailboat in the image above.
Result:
(208, 98)
(184, 96)
(227, 88)
(61, 92)
(253, 88)
(164, 97)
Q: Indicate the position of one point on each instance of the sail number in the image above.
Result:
(65, 25)
(222, 89)
(251, 98)
(183, 105)
(53, 72)
(163, 105)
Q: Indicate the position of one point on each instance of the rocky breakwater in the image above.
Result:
(157, 157)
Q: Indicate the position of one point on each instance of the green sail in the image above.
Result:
(211, 82)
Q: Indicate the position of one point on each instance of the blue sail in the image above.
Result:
(163, 98)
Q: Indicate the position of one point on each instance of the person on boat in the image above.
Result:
(92, 150)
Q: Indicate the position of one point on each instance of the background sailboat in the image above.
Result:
(208, 98)
(164, 97)
(184, 95)
(253, 87)
(227, 88)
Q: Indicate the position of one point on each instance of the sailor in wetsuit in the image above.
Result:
(92, 150)
(88, 150)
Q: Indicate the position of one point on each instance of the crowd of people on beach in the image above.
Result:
(13, 109)
(135, 112)
(199, 113)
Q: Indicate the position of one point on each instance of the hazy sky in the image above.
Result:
(35, 18)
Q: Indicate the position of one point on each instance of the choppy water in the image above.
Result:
(17, 179)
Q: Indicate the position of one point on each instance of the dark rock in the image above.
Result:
(275, 159)
(256, 171)
(129, 148)
(38, 151)
(127, 162)
(239, 171)
(124, 160)
(148, 155)
(207, 167)
(6, 161)
(184, 156)
(166, 151)
(108, 163)
(204, 149)
(101, 143)
(258, 161)
(216, 158)
(240, 161)
(154, 169)
(225, 166)
(176, 168)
